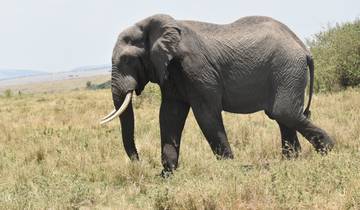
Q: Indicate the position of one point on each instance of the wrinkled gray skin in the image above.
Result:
(255, 63)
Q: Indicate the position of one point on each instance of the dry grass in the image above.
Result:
(54, 154)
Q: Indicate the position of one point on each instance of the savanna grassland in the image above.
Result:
(54, 154)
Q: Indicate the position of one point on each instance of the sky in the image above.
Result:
(61, 35)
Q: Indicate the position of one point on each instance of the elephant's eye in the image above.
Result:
(126, 39)
(124, 58)
(139, 43)
(136, 40)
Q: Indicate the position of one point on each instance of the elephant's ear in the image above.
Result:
(164, 49)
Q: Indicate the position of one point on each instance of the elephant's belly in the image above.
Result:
(246, 99)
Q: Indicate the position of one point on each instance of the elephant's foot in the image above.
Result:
(166, 173)
(224, 155)
(322, 143)
(134, 157)
(169, 164)
(317, 137)
(291, 152)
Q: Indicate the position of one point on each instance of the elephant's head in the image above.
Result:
(141, 54)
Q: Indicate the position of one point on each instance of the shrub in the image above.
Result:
(8, 93)
(88, 85)
(105, 85)
(336, 53)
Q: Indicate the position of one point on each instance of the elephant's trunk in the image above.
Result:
(122, 87)
(127, 124)
(127, 129)
(123, 108)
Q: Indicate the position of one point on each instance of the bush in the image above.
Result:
(105, 85)
(336, 53)
(8, 93)
(88, 84)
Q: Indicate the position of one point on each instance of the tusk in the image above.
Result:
(111, 113)
(120, 110)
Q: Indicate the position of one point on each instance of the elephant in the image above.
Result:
(253, 64)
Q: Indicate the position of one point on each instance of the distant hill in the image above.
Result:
(16, 73)
(11, 79)
(92, 68)
(6, 74)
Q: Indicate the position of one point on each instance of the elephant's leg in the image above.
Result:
(289, 142)
(315, 135)
(287, 107)
(172, 120)
(211, 124)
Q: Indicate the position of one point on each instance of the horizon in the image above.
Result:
(65, 70)
(60, 36)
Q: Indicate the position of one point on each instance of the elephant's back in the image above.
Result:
(202, 27)
(243, 29)
(252, 20)
(267, 25)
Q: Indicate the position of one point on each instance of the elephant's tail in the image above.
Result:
(310, 63)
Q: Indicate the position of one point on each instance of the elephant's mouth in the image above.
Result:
(142, 78)
(115, 113)
(139, 90)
